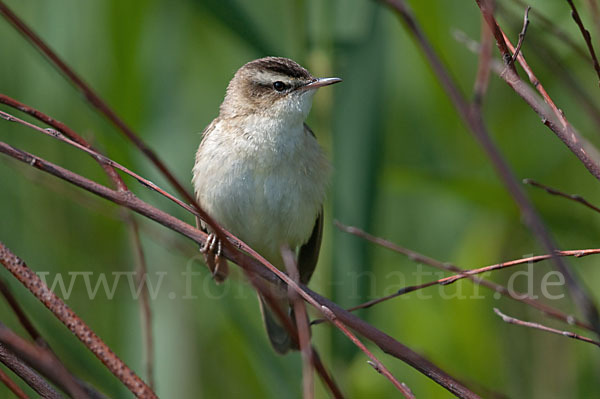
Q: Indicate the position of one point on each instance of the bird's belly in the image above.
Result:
(264, 205)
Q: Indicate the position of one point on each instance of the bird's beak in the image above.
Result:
(320, 82)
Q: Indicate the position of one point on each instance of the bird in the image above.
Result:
(261, 174)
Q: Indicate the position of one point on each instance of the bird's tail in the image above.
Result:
(279, 336)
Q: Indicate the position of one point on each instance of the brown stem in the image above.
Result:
(512, 320)
(521, 36)
(144, 303)
(550, 27)
(12, 386)
(27, 374)
(487, 11)
(252, 264)
(417, 257)
(586, 36)
(102, 351)
(42, 360)
(301, 316)
(465, 274)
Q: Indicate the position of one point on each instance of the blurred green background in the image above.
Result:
(405, 169)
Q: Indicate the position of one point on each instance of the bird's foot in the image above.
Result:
(212, 256)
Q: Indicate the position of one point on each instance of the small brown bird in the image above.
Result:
(261, 174)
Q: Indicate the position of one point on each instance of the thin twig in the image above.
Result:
(586, 36)
(553, 191)
(560, 70)
(486, 7)
(254, 265)
(538, 85)
(20, 313)
(27, 374)
(521, 36)
(85, 334)
(12, 386)
(374, 361)
(326, 377)
(551, 27)
(417, 257)
(144, 302)
(512, 320)
(308, 389)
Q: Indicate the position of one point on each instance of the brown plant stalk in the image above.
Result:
(253, 264)
(27, 374)
(42, 360)
(418, 257)
(12, 386)
(586, 36)
(102, 351)
(301, 318)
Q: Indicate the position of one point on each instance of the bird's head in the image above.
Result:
(274, 87)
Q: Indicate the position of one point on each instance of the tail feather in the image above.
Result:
(279, 337)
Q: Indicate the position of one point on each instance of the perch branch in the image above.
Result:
(251, 264)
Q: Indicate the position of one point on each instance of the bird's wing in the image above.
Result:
(309, 252)
(309, 130)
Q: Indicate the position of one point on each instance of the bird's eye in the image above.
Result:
(279, 86)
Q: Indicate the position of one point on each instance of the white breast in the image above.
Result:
(263, 181)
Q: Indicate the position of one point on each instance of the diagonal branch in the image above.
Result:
(12, 386)
(586, 36)
(34, 284)
(42, 360)
(27, 374)
(252, 263)
(417, 257)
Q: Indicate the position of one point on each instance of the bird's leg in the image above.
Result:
(212, 250)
